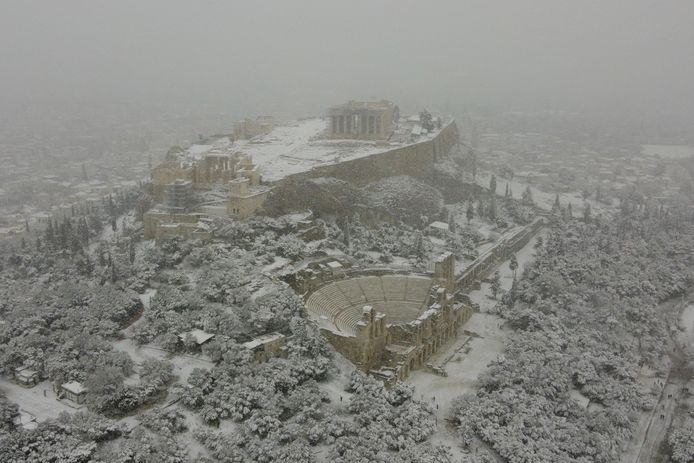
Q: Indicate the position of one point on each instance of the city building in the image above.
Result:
(73, 391)
(26, 376)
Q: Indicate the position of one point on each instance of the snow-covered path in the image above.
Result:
(653, 425)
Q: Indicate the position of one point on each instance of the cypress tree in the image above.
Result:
(131, 251)
(50, 234)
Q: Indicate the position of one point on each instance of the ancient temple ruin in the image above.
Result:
(363, 120)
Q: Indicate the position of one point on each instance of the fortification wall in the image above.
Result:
(408, 160)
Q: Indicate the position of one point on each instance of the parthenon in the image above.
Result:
(364, 120)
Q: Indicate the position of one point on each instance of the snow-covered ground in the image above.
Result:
(335, 387)
(184, 364)
(545, 200)
(40, 400)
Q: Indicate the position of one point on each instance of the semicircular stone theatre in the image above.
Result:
(390, 324)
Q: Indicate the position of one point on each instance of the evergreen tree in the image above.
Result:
(23, 243)
(569, 212)
(38, 243)
(514, 290)
(95, 224)
(419, 246)
(50, 234)
(62, 236)
(88, 266)
(75, 245)
(346, 237)
(507, 192)
(26, 226)
(527, 196)
(492, 208)
(556, 206)
(451, 223)
(492, 185)
(470, 213)
(513, 265)
(114, 227)
(586, 213)
(496, 284)
(83, 230)
(111, 207)
(480, 209)
(131, 251)
(114, 274)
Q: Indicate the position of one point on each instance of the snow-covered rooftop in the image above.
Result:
(200, 336)
(74, 387)
(262, 340)
(439, 225)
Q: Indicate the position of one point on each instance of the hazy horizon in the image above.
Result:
(295, 58)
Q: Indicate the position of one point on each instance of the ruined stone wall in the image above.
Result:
(153, 219)
(363, 353)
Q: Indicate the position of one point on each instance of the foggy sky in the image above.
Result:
(295, 57)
